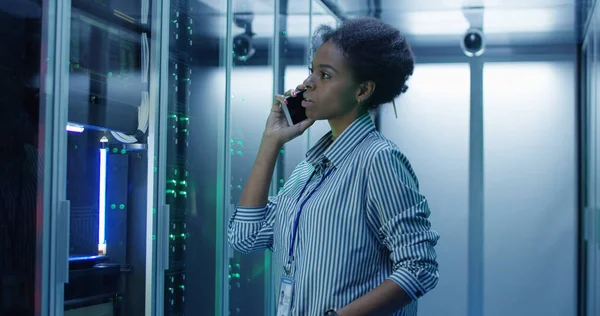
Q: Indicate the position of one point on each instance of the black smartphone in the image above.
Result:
(294, 111)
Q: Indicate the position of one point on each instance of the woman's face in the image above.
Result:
(331, 90)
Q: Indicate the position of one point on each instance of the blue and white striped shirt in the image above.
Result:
(367, 222)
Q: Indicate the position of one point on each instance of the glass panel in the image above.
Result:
(107, 157)
(252, 82)
(293, 66)
(592, 170)
(529, 130)
(430, 126)
(590, 151)
(194, 85)
(26, 33)
(596, 217)
(592, 197)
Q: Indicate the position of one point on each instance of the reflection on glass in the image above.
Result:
(595, 218)
(251, 98)
(108, 114)
(194, 85)
(23, 99)
(592, 174)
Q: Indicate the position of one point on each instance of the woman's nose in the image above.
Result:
(308, 83)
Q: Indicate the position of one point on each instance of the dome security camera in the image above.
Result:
(473, 42)
(243, 49)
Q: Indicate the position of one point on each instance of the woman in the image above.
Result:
(349, 231)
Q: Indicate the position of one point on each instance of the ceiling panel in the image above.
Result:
(431, 22)
(263, 17)
(353, 6)
(263, 6)
(505, 22)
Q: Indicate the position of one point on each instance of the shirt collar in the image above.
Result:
(328, 151)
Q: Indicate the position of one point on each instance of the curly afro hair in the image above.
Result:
(375, 51)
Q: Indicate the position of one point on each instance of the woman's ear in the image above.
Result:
(365, 91)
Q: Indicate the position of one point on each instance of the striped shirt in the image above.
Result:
(365, 223)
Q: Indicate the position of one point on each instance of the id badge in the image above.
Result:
(284, 300)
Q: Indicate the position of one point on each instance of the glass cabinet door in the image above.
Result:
(190, 232)
(253, 76)
(109, 182)
(27, 99)
(594, 69)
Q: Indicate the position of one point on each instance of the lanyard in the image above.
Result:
(297, 219)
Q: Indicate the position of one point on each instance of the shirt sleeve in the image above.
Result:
(400, 214)
(251, 229)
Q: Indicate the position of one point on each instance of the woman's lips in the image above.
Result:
(306, 103)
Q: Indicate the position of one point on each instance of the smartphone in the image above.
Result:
(294, 111)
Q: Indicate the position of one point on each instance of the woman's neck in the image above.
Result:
(340, 124)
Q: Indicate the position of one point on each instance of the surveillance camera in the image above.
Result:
(473, 42)
(242, 46)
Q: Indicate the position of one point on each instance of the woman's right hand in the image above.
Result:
(277, 128)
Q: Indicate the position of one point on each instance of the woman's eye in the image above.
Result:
(325, 75)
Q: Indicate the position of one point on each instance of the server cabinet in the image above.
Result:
(28, 34)
(102, 219)
(217, 85)
(207, 155)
